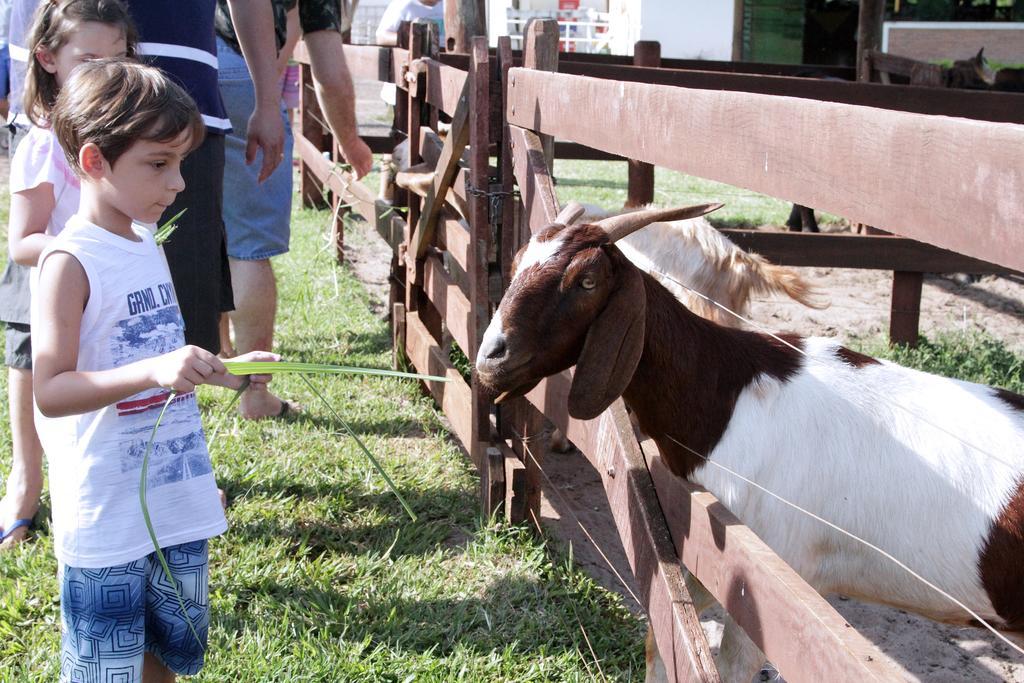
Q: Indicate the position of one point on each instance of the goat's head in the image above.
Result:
(576, 300)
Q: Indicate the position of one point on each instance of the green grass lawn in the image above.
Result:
(321, 576)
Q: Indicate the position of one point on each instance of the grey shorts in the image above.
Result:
(18, 347)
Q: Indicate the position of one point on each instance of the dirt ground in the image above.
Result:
(574, 499)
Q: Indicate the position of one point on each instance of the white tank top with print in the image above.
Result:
(95, 459)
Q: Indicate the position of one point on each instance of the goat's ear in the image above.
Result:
(613, 345)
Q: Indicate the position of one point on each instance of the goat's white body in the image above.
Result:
(832, 440)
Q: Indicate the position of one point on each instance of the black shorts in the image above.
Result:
(197, 250)
(18, 347)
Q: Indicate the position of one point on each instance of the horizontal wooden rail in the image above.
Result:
(843, 72)
(455, 396)
(453, 237)
(444, 85)
(844, 250)
(835, 157)
(449, 299)
(364, 62)
(917, 72)
(971, 104)
(353, 192)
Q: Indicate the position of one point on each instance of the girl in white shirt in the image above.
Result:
(44, 194)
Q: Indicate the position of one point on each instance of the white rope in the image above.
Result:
(568, 507)
(881, 397)
(860, 540)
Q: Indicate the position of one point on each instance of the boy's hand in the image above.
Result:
(225, 379)
(186, 368)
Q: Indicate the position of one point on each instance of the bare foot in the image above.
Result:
(257, 404)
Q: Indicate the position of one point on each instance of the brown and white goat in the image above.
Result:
(898, 457)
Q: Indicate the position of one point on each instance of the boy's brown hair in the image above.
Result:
(53, 23)
(113, 103)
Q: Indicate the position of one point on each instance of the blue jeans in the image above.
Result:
(257, 216)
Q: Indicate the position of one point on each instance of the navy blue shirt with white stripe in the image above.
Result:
(179, 38)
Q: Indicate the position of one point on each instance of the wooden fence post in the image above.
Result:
(313, 194)
(869, 32)
(540, 51)
(463, 19)
(413, 265)
(492, 479)
(641, 175)
(905, 313)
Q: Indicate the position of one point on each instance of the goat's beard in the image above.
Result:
(501, 394)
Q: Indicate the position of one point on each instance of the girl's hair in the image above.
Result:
(114, 103)
(53, 23)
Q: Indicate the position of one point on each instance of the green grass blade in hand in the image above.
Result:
(281, 367)
(362, 446)
(149, 522)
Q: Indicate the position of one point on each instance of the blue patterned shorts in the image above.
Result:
(111, 616)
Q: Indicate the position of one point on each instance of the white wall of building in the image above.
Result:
(686, 29)
(496, 13)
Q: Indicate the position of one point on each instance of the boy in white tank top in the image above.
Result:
(108, 352)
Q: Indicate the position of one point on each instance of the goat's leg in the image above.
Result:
(795, 221)
(739, 659)
(807, 219)
(559, 442)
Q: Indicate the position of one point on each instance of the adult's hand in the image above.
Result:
(357, 153)
(254, 25)
(265, 133)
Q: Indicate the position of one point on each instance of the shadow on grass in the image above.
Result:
(528, 615)
(441, 512)
(316, 414)
(322, 348)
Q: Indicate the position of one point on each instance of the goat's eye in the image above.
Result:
(588, 282)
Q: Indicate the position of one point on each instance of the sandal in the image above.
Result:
(18, 524)
(288, 409)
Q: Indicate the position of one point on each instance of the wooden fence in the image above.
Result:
(888, 156)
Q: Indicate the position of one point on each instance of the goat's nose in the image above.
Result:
(496, 349)
(493, 346)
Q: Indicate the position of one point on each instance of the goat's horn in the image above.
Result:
(619, 226)
(570, 213)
